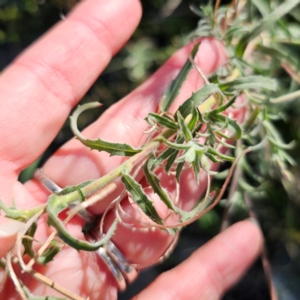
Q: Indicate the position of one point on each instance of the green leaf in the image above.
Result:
(223, 107)
(139, 196)
(281, 145)
(161, 120)
(263, 6)
(265, 24)
(179, 169)
(186, 133)
(219, 154)
(27, 242)
(111, 148)
(197, 98)
(163, 156)
(48, 255)
(251, 119)
(224, 143)
(70, 189)
(249, 82)
(175, 86)
(193, 156)
(171, 160)
(155, 184)
(213, 158)
(177, 146)
(195, 118)
(100, 145)
(236, 127)
(168, 154)
(56, 205)
(20, 214)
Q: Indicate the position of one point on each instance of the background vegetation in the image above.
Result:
(165, 27)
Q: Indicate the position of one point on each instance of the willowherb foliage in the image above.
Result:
(257, 36)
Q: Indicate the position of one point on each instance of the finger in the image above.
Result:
(124, 121)
(212, 269)
(9, 229)
(79, 272)
(40, 87)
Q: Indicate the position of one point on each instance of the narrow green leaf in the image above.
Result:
(139, 196)
(170, 161)
(48, 255)
(157, 188)
(170, 154)
(263, 7)
(272, 131)
(249, 82)
(56, 205)
(161, 120)
(219, 154)
(197, 98)
(27, 243)
(19, 214)
(195, 118)
(213, 158)
(163, 156)
(236, 127)
(286, 157)
(179, 169)
(111, 148)
(265, 24)
(281, 145)
(223, 107)
(175, 86)
(251, 119)
(177, 146)
(224, 143)
(100, 145)
(70, 189)
(186, 133)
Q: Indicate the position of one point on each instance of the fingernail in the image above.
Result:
(9, 227)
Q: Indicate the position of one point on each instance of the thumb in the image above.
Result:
(9, 229)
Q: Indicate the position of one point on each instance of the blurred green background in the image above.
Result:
(165, 27)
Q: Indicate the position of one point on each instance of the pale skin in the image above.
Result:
(38, 90)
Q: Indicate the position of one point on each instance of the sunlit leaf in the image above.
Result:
(139, 196)
(219, 154)
(175, 86)
(48, 255)
(193, 119)
(249, 82)
(179, 169)
(186, 133)
(265, 24)
(170, 161)
(223, 107)
(20, 214)
(161, 120)
(28, 240)
(163, 156)
(111, 148)
(100, 145)
(54, 207)
(157, 188)
(197, 98)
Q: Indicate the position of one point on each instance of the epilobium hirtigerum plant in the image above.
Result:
(204, 130)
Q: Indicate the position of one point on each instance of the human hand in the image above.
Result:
(38, 91)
